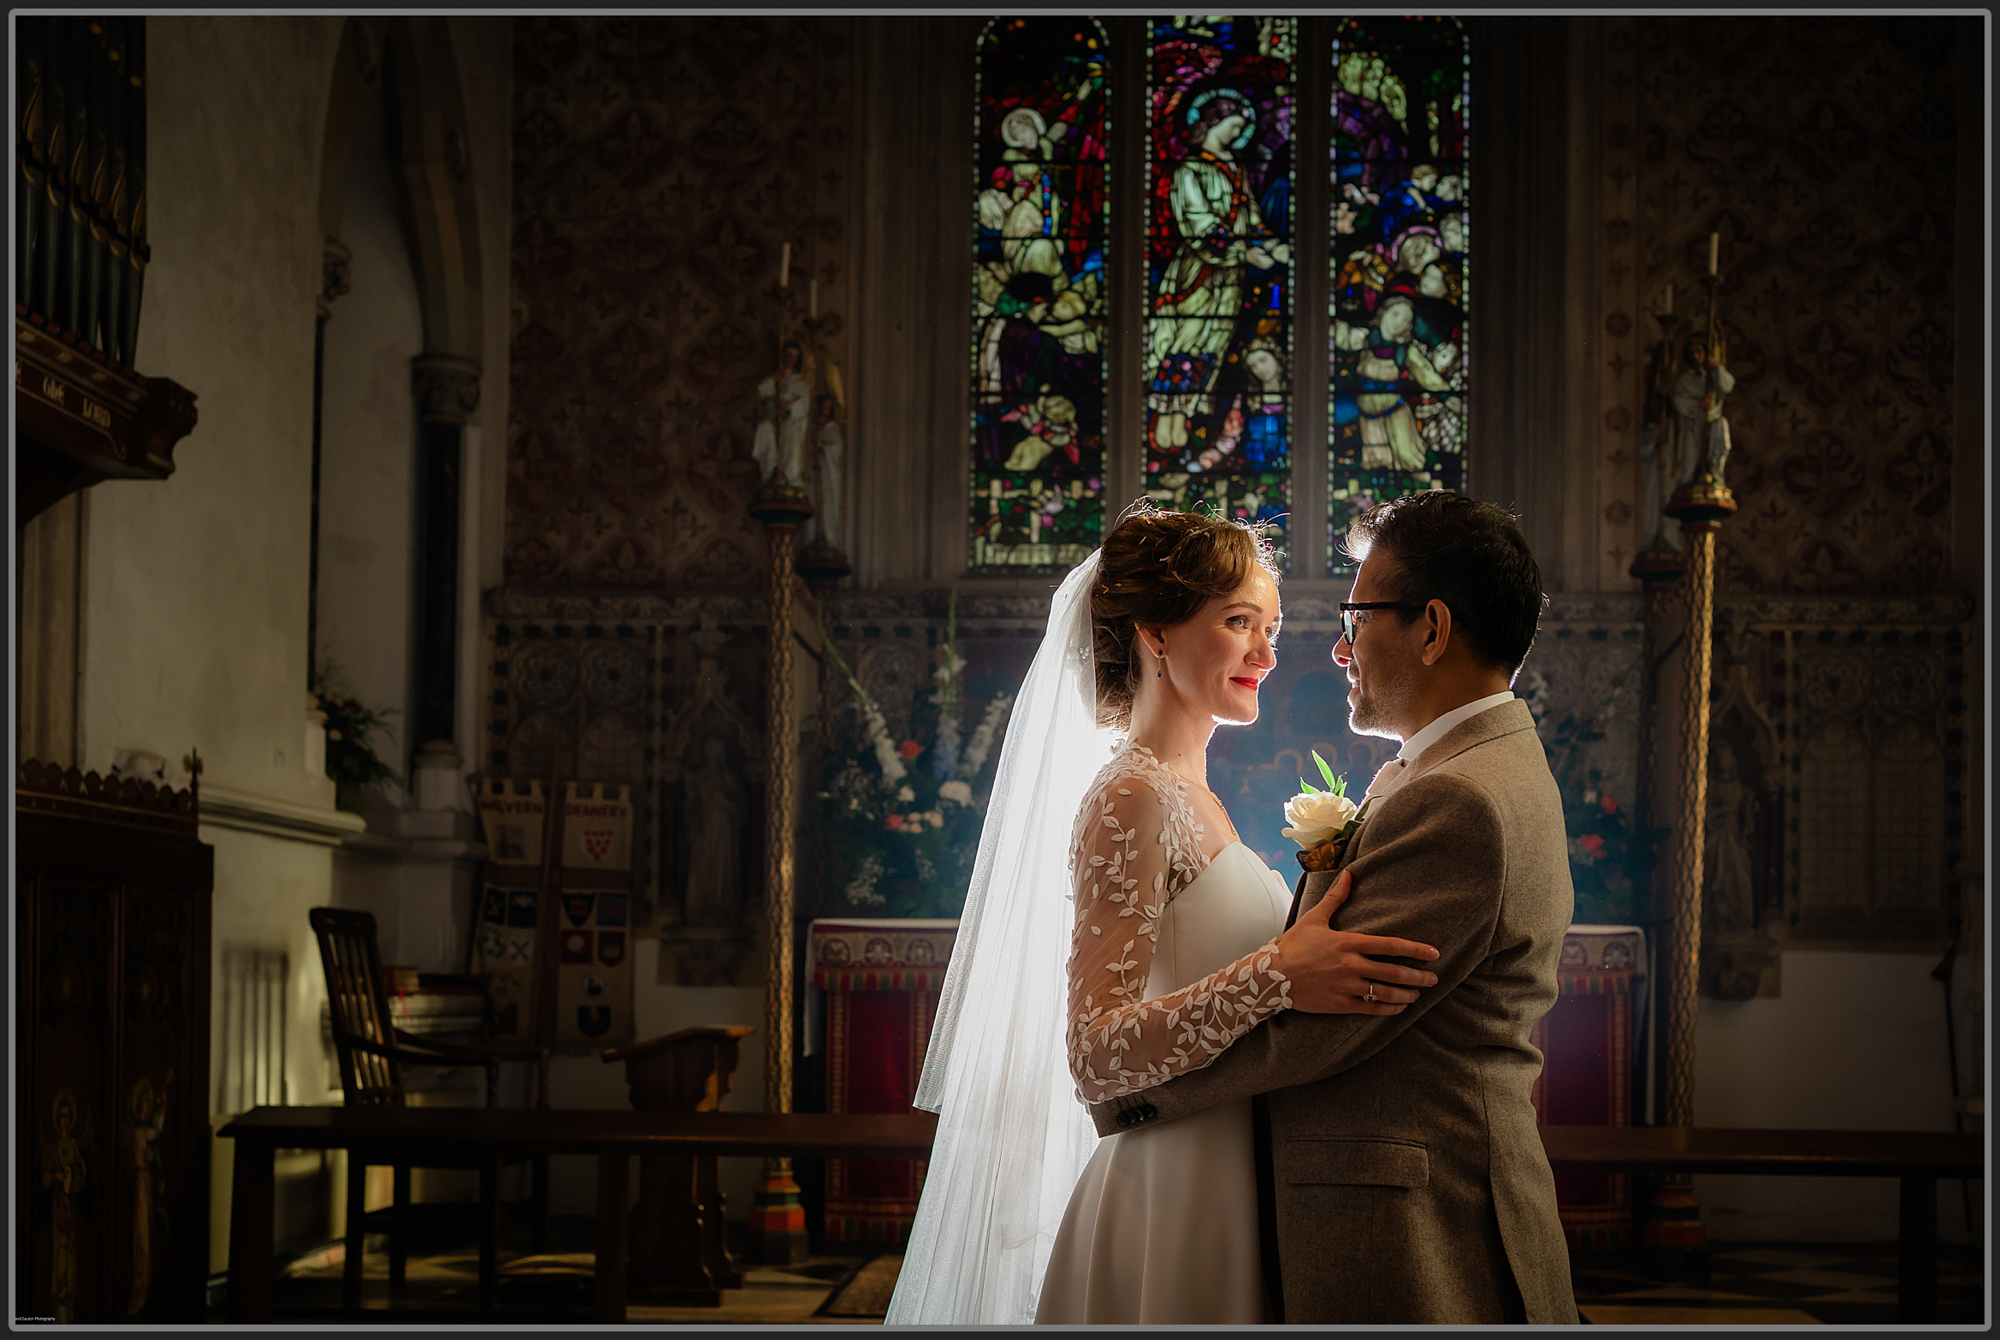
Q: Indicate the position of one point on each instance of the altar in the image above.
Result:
(871, 987)
(1589, 1040)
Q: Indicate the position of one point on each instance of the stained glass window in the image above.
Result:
(1218, 330)
(1038, 293)
(1396, 336)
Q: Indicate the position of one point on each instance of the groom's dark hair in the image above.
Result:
(1469, 554)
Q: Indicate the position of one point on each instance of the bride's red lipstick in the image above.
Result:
(1245, 681)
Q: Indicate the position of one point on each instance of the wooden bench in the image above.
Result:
(1917, 1158)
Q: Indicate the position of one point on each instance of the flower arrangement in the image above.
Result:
(903, 818)
(350, 760)
(1609, 854)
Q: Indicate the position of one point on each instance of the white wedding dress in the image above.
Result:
(1171, 962)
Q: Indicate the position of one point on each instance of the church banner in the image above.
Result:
(593, 1005)
(597, 828)
(515, 817)
(554, 940)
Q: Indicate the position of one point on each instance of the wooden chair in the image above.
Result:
(372, 1052)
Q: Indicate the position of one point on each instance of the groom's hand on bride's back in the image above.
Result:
(1333, 972)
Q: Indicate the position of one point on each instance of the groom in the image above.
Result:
(1402, 1179)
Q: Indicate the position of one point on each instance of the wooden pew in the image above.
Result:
(1917, 1158)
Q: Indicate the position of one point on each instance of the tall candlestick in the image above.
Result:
(812, 302)
(1714, 250)
(785, 267)
(1667, 303)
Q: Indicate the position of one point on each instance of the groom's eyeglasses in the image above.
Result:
(1348, 608)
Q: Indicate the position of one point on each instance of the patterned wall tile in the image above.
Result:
(660, 165)
(1823, 150)
(1622, 323)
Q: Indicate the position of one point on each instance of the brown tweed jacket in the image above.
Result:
(1404, 1178)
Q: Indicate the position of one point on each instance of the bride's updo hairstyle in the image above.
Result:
(1159, 568)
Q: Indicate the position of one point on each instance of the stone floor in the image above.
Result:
(1770, 1283)
(1750, 1284)
(442, 1285)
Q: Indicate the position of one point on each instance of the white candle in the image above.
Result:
(1667, 303)
(1714, 250)
(812, 302)
(785, 267)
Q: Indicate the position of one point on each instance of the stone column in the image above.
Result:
(447, 392)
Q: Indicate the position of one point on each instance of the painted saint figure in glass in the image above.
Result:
(1397, 353)
(1038, 296)
(1219, 252)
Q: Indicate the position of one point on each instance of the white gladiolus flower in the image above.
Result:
(1314, 819)
(886, 756)
(959, 793)
(906, 795)
(981, 744)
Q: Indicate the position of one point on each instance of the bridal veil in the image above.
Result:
(1012, 1138)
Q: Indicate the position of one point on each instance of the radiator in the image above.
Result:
(255, 1020)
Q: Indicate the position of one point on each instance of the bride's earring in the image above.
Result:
(1160, 669)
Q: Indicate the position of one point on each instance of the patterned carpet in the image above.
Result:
(1769, 1283)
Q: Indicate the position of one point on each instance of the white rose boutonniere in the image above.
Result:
(1322, 822)
(1316, 817)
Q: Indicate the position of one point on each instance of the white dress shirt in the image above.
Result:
(1429, 735)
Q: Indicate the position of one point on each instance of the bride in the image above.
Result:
(1173, 933)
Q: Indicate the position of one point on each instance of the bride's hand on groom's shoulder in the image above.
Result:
(1334, 972)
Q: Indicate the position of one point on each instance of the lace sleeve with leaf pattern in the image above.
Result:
(1137, 845)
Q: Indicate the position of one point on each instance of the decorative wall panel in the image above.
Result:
(581, 702)
(1624, 330)
(1824, 150)
(659, 167)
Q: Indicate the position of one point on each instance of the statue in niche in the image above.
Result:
(716, 806)
(783, 406)
(831, 442)
(1730, 873)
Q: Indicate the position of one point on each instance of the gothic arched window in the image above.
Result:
(1223, 250)
(1038, 300)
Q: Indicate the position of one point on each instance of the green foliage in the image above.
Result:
(1609, 855)
(351, 760)
(1335, 785)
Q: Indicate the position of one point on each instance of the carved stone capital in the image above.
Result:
(333, 283)
(446, 386)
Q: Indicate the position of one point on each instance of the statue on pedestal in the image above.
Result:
(1685, 430)
(1701, 433)
(783, 402)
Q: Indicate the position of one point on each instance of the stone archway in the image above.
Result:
(430, 155)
